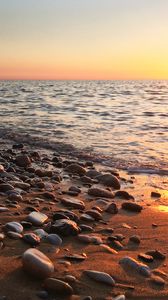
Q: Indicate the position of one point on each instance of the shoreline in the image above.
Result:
(150, 225)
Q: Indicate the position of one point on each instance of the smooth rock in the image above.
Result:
(131, 206)
(77, 204)
(14, 235)
(5, 187)
(112, 208)
(145, 257)
(37, 218)
(58, 286)
(98, 192)
(65, 227)
(157, 280)
(31, 238)
(135, 239)
(123, 195)
(54, 239)
(96, 215)
(23, 160)
(37, 264)
(86, 238)
(109, 180)
(100, 277)
(135, 265)
(75, 169)
(13, 226)
(156, 254)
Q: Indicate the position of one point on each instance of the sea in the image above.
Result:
(123, 124)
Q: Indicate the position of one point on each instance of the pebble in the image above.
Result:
(75, 257)
(13, 226)
(145, 257)
(90, 239)
(3, 209)
(77, 204)
(37, 264)
(98, 192)
(96, 215)
(157, 280)
(124, 195)
(65, 227)
(131, 206)
(135, 265)
(112, 208)
(86, 218)
(75, 169)
(31, 238)
(135, 239)
(42, 294)
(58, 286)
(108, 249)
(23, 160)
(120, 297)
(109, 180)
(2, 168)
(156, 254)
(54, 239)
(155, 194)
(92, 173)
(100, 277)
(37, 218)
(5, 187)
(14, 235)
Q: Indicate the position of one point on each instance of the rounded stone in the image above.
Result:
(37, 218)
(58, 286)
(13, 226)
(37, 264)
(23, 160)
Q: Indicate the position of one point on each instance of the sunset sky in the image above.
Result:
(84, 39)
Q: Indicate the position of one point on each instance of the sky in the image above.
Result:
(84, 39)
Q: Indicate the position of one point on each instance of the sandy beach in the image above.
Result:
(108, 236)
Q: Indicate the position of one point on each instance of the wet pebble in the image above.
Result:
(65, 227)
(31, 238)
(109, 180)
(37, 218)
(58, 286)
(37, 264)
(13, 226)
(77, 204)
(112, 208)
(54, 239)
(131, 206)
(100, 277)
(75, 169)
(98, 192)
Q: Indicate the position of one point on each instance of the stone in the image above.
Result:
(86, 238)
(131, 206)
(42, 294)
(109, 180)
(86, 218)
(135, 239)
(96, 215)
(112, 208)
(108, 249)
(156, 254)
(75, 257)
(15, 197)
(14, 235)
(37, 264)
(2, 168)
(124, 195)
(92, 173)
(100, 277)
(5, 187)
(31, 238)
(58, 286)
(155, 194)
(65, 227)
(75, 169)
(41, 233)
(134, 265)
(54, 239)
(77, 204)
(23, 160)
(37, 218)
(98, 192)
(157, 280)
(13, 226)
(120, 297)
(145, 257)
(75, 189)
(3, 209)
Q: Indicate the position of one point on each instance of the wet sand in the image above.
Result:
(151, 225)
